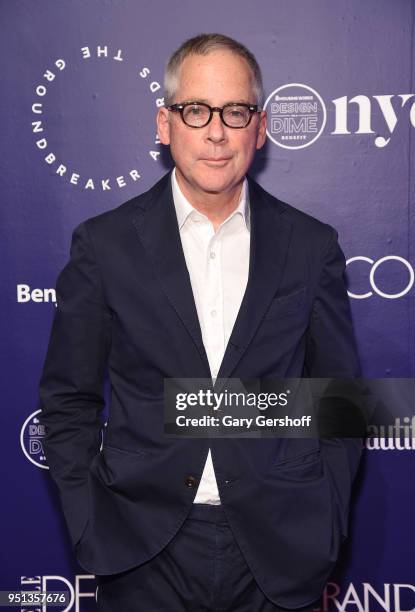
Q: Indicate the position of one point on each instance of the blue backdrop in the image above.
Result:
(81, 84)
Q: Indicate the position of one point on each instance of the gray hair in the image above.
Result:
(203, 44)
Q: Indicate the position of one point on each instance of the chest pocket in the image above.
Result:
(288, 305)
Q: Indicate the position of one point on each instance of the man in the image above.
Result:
(205, 275)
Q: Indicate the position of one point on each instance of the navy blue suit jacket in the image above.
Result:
(124, 302)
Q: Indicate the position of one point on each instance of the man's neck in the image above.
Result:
(215, 206)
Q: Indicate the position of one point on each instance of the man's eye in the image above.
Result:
(195, 110)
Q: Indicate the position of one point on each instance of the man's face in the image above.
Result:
(213, 158)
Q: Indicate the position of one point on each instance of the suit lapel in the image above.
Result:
(270, 237)
(157, 227)
(156, 224)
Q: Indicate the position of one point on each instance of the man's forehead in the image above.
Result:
(211, 102)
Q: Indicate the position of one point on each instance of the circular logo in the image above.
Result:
(296, 116)
(375, 268)
(31, 436)
(81, 111)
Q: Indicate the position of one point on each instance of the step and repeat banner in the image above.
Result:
(81, 85)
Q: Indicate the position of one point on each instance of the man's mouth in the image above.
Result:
(216, 160)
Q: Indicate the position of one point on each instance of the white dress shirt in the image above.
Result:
(218, 265)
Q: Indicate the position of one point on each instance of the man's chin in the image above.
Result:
(218, 184)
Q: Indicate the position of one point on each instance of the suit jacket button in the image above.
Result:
(190, 481)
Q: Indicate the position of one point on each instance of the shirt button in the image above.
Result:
(213, 313)
(190, 481)
(212, 255)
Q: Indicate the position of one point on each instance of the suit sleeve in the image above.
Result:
(332, 353)
(71, 384)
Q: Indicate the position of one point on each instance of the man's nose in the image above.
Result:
(216, 129)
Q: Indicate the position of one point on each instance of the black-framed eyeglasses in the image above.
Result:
(198, 114)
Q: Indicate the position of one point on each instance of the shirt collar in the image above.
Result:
(184, 208)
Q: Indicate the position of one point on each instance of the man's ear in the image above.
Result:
(163, 125)
(262, 130)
